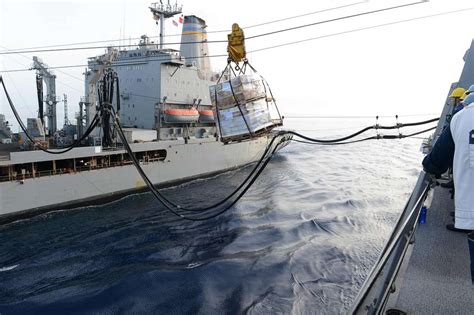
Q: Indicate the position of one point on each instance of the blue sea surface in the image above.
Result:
(302, 240)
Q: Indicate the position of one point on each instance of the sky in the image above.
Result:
(397, 69)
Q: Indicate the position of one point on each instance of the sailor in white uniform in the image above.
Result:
(456, 144)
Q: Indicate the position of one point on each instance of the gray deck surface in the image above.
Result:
(438, 276)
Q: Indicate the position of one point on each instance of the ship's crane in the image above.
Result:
(49, 78)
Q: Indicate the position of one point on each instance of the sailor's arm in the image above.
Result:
(441, 156)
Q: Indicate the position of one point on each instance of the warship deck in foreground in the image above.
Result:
(424, 268)
(436, 278)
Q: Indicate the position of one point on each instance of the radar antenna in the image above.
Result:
(161, 12)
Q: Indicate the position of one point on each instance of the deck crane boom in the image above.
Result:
(49, 79)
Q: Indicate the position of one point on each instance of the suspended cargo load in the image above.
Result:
(182, 116)
(244, 104)
(206, 116)
(241, 89)
(243, 108)
(255, 118)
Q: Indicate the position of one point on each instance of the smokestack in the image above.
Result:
(194, 30)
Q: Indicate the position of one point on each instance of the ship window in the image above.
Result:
(139, 80)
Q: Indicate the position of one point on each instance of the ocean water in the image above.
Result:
(301, 241)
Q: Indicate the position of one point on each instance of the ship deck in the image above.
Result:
(435, 277)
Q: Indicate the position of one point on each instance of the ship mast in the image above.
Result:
(161, 12)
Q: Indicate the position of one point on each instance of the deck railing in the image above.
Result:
(62, 171)
(379, 284)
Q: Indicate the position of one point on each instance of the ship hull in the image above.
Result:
(184, 162)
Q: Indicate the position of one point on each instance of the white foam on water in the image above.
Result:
(8, 268)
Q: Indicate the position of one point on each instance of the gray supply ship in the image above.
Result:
(167, 115)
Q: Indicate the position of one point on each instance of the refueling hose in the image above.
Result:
(375, 127)
(173, 208)
(378, 137)
(75, 143)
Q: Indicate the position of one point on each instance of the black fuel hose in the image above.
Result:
(173, 208)
(75, 143)
(375, 127)
(379, 137)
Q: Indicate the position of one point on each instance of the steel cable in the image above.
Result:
(222, 41)
(175, 35)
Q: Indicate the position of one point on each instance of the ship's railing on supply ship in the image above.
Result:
(29, 170)
(379, 284)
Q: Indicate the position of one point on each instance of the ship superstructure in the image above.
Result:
(154, 80)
